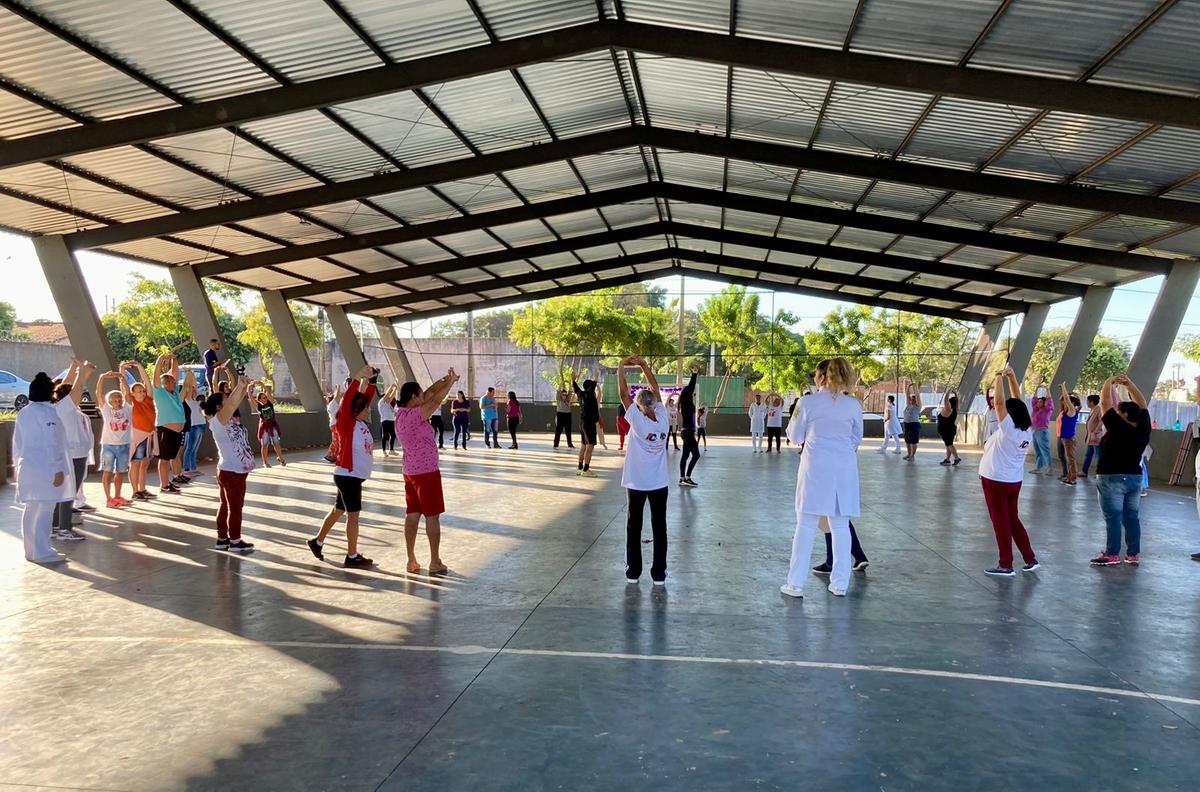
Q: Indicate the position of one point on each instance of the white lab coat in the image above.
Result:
(758, 417)
(39, 452)
(831, 430)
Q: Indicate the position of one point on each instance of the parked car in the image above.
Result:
(14, 391)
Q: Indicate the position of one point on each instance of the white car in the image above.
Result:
(14, 391)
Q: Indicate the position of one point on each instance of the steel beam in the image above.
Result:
(698, 195)
(987, 85)
(940, 178)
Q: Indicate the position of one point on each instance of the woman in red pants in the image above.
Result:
(1002, 469)
(622, 425)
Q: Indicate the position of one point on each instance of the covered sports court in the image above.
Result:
(980, 160)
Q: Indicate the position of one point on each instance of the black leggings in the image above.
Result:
(439, 429)
(633, 532)
(690, 455)
(562, 423)
(461, 428)
(776, 433)
(513, 423)
(389, 435)
(673, 437)
(856, 551)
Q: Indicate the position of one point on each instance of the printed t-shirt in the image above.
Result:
(115, 425)
(233, 446)
(646, 458)
(363, 444)
(1004, 453)
(420, 447)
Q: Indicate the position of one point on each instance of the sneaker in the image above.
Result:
(149, 495)
(686, 482)
(859, 566)
(317, 548)
(662, 582)
(631, 581)
(1144, 492)
(1000, 571)
(944, 462)
(957, 461)
(1196, 556)
(791, 591)
(87, 507)
(222, 544)
(71, 535)
(57, 533)
(171, 488)
(331, 459)
(837, 592)
(579, 472)
(357, 561)
(691, 483)
(181, 480)
(1133, 560)
(240, 546)
(142, 496)
(823, 569)
(1034, 567)
(1104, 559)
(588, 474)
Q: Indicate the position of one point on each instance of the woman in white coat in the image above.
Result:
(43, 470)
(758, 422)
(830, 425)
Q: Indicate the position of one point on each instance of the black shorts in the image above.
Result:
(588, 430)
(169, 442)
(912, 433)
(948, 435)
(349, 493)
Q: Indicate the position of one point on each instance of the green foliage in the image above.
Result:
(846, 332)
(920, 348)
(494, 324)
(1108, 356)
(783, 356)
(730, 320)
(259, 335)
(8, 320)
(1187, 345)
(150, 321)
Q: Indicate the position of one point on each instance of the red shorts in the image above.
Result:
(423, 494)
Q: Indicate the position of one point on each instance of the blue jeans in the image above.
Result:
(489, 429)
(191, 446)
(1041, 448)
(1087, 458)
(1120, 498)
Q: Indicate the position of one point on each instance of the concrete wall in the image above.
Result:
(26, 359)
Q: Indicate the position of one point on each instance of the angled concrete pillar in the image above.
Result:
(347, 340)
(294, 351)
(985, 342)
(198, 309)
(396, 357)
(1082, 335)
(1021, 351)
(74, 301)
(1162, 325)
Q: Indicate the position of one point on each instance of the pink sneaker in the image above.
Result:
(1104, 559)
(1133, 560)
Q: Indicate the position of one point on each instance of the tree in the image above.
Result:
(730, 320)
(649, 332)
(150, 321)
(1108, 356)
(260, 336)
(920, 348)
(782, 359)
(570, 327)
(637, 295)
(8, 321)
(1187, 345)
(494, 324)
(846, 332)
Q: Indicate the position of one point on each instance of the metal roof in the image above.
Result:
(409, 158)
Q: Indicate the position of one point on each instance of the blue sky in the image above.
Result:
(108, 278)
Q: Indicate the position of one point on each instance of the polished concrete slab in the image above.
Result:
(154, 662)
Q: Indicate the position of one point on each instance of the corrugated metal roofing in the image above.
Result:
(585, 94)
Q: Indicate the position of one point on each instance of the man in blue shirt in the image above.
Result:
(170, 420)
(487, 406)
(211, 360)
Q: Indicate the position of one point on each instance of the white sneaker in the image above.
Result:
(632, 581)
(791, 591)
(662, 582)
(57, 558)
(837, 592)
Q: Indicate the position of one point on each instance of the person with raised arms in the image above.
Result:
(644, 474)
(235, 460)
(43, 468)
(1002, 470)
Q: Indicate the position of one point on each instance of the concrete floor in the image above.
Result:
(153, 662)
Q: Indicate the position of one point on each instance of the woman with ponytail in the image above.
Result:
(829, 424)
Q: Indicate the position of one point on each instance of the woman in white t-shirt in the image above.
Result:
(196, 425)
(235, 460)
(1002, 469)
(644, 475)
(387, 421)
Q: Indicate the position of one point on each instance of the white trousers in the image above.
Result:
(888, 437)
(35, 531)
(756, 440)
(802, 542)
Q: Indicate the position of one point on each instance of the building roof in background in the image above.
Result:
(43, 332)
(958, 158)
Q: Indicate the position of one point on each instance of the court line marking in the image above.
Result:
(701, 660)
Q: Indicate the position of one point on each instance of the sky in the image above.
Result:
(108, 279)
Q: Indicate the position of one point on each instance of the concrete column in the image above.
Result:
(74, 301)
(347, 341)
(1158, 336)
(397, 359)
(1021, 351)
(968, 388)
(193, 298)
(284, 325)
(1082, 335)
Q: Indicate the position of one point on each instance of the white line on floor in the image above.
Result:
(485, 650)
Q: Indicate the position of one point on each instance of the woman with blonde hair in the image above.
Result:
(829, 424)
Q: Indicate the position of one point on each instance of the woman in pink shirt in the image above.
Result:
(1041, 412)
(422, 477)
(514, 417)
